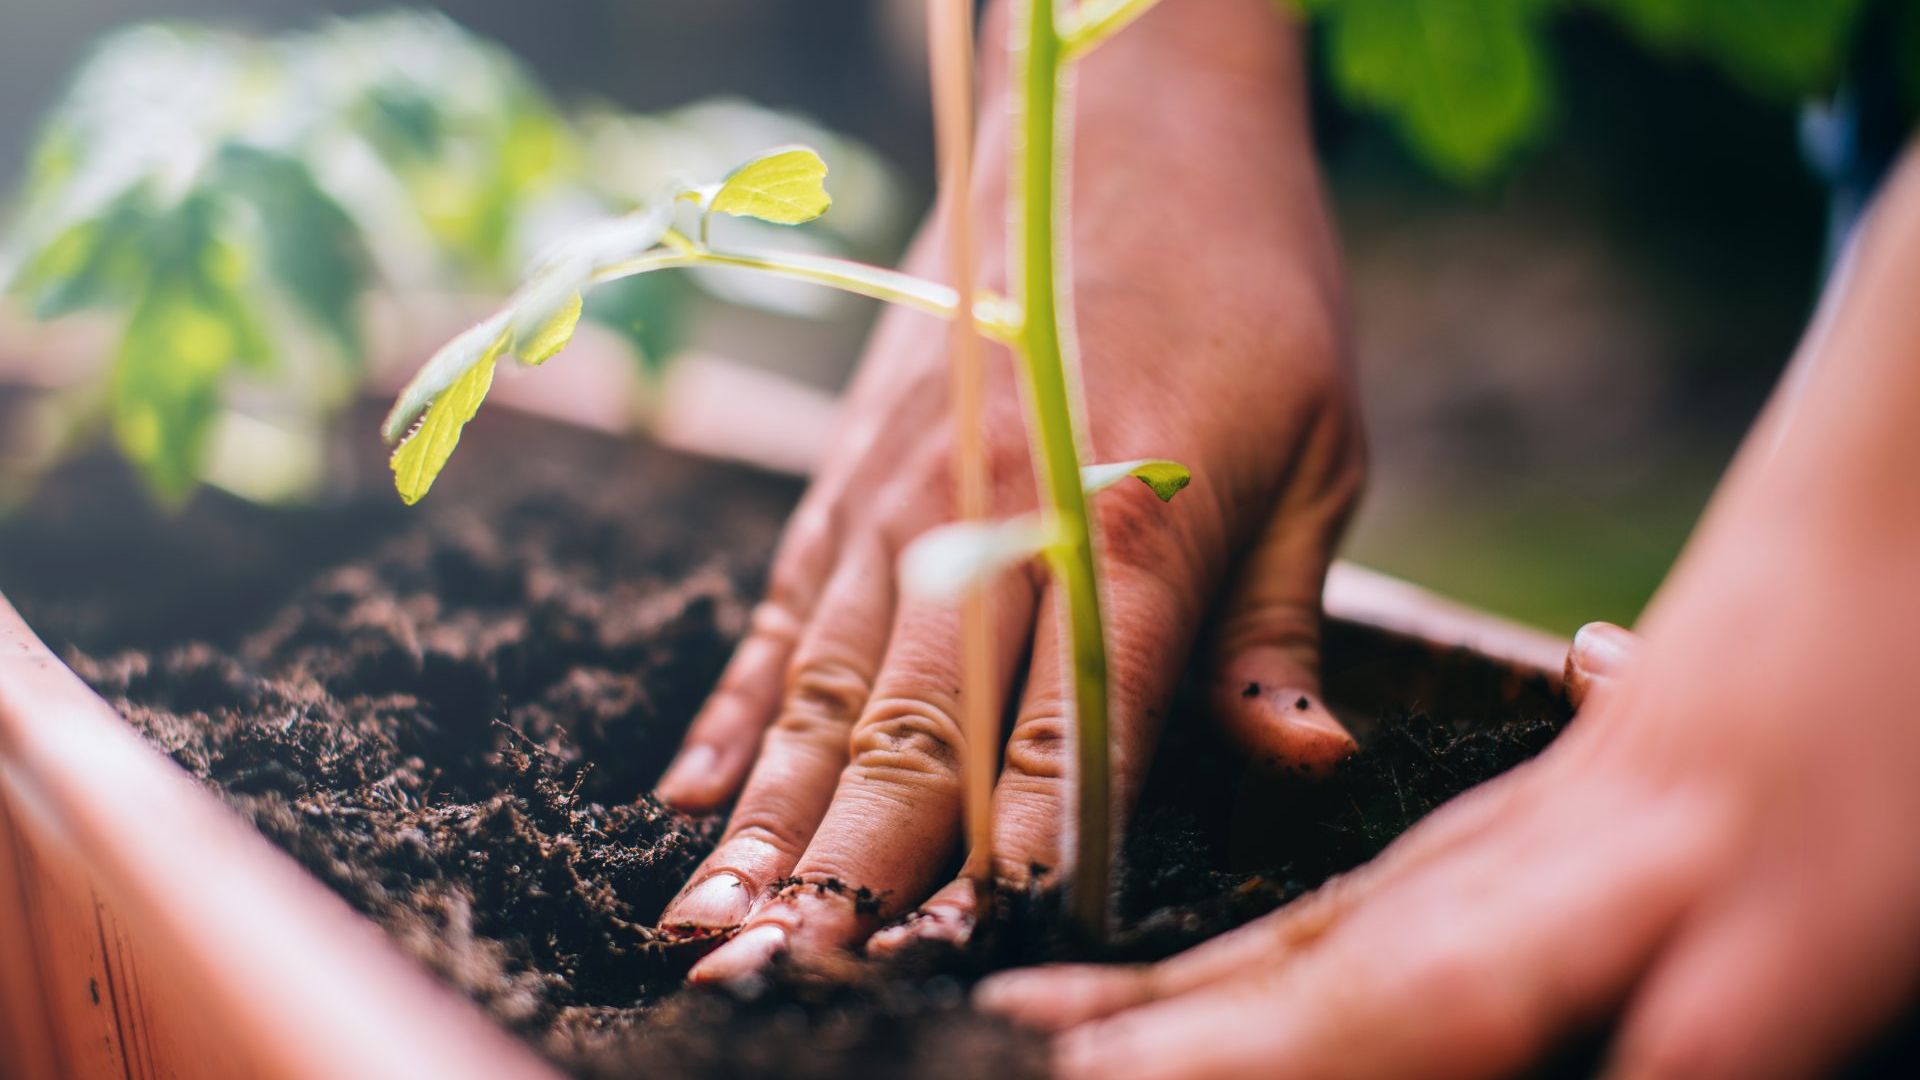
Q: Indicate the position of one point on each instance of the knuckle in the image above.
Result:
(909, 735)
(734, 692)
(809, 530)
(807, 727)
(827, 689)
(774, 617)
(1279, 623)
(751, 829)
(1134, 532)
(1038, 746)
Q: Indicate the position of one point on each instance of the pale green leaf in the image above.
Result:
(947, 562)
(484, 340)
(542, 315)
(420, 458)
(785, 186)
(1166, 478)
(543, 339)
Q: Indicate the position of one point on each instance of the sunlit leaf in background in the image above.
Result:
(97, 262)
(311, 246)
(184, 335)
(1465, 81)
(649, 311)
(1468, 82)
(785, 186)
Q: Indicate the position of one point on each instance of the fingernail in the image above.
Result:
(743, 956)
(1602, 649)
(719, 902)
(929, 924)
(1315, 741)
(689, 777)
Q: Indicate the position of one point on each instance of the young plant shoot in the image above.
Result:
(786, 186)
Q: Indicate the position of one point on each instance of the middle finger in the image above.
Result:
(894, 822)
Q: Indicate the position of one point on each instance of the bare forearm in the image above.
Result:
(1826, 483)
(1191, 148)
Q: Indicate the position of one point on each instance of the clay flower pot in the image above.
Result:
(146, 931)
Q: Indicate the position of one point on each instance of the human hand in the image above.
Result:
(1718, 851)
(1720, 841)
(839, 708)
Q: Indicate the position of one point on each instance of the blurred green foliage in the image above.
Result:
(229, 201)
(217, 192)
(1468, 83)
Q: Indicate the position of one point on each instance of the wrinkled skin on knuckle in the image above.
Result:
(774, 617)
(1138, 533)
(752, 834)
(911, 740)
(1284, 626)
(806, 725)
(827, 689)
(1039, 747)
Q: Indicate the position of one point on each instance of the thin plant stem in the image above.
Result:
(950, 45)
(991, 313)
(1038, 291)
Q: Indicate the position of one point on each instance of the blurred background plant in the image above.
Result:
(1582, 235)
(231, 200)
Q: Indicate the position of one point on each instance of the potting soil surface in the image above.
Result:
(453, 716)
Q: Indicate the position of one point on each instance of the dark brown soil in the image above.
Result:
(452, 717)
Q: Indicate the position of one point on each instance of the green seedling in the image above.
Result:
(786, 186)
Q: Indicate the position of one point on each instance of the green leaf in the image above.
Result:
(1465, 81)
(1782, 48)
(947, 562)
(549, 335)
(164, 393)
(482, 341)
(542, 315)
(420, 458)
(648, 310)
(785, 186)
(98, 262)
(311, 247)
(1166, 478)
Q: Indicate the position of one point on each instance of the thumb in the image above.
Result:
(1265, 690)
(1598, 658)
